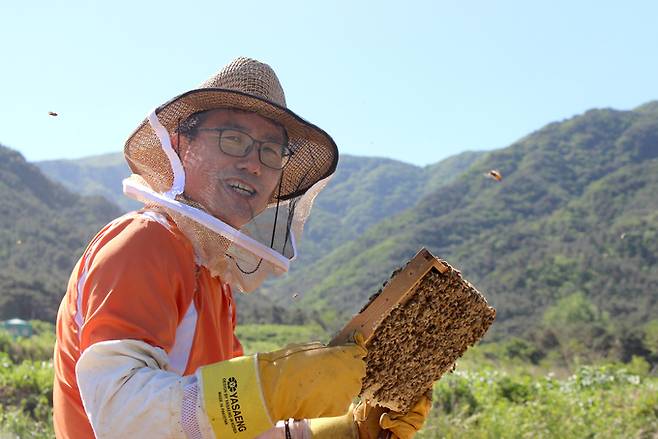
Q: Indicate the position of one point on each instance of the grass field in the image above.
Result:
(486, 397)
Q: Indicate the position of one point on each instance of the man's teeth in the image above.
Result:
(242, 188)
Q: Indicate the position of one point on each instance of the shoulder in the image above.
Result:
(144, 236)
(138, 277)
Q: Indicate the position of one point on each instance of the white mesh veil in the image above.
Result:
(272, 211)
(245, 258)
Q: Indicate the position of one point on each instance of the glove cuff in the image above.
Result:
(339, 427)
(232, 398)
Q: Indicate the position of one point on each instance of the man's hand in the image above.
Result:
(365, 421)
(244, 396)
(311, 380)
(406, 425)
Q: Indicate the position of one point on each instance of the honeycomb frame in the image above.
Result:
(416, 327)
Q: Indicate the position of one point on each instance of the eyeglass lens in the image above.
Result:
(238, 144)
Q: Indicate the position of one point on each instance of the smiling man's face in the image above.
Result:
(233, 189)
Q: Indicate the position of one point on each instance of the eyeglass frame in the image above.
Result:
(287, 152)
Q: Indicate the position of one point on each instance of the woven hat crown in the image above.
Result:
(251, 77)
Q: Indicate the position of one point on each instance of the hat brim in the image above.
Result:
(314, 158)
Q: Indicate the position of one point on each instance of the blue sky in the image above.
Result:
(416, 81)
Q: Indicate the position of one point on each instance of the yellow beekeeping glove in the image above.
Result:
(406, 425)
(367, 418)
(338, 427)
(365, 421)
(244, 396)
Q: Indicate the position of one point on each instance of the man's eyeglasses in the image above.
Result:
(237, 143)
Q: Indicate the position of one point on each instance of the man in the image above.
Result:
(145, 333)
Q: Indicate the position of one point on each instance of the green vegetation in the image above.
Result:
(98, 175)
(575, 213)
(359, 195)
(26, 384)
(364, 191)
(497, 390)
(26, 372)
(596, 401)
(266, 338)
(565, 247)
(39, 347)
(43, 229)
(26, 389)
(500, 391)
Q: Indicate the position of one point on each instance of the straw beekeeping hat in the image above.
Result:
(248, 85)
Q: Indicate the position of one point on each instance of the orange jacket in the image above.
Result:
(138, 280)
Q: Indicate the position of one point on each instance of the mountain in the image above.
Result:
(573, 216)
(575, 212)
(367, 190)
(95, 175)
(43, 230)
(362, 192)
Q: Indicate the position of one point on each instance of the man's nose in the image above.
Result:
(251, 162)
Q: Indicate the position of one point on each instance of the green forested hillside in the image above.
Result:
(565, 247)
(441, 173)
(363, 192)
(491, 394)
(43, 229)
(575, 213)
(97, 175)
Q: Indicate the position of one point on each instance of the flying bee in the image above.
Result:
(52, 113)
(495, 174)
(295, 296)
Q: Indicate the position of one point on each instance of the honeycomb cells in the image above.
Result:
(422, 338)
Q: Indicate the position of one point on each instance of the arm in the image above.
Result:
(126, 390)
(138, 281)
(134, 297)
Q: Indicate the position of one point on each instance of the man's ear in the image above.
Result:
(175, 139)
(180, 144)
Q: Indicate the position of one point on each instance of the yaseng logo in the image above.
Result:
(232, 384)
(237, 420)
